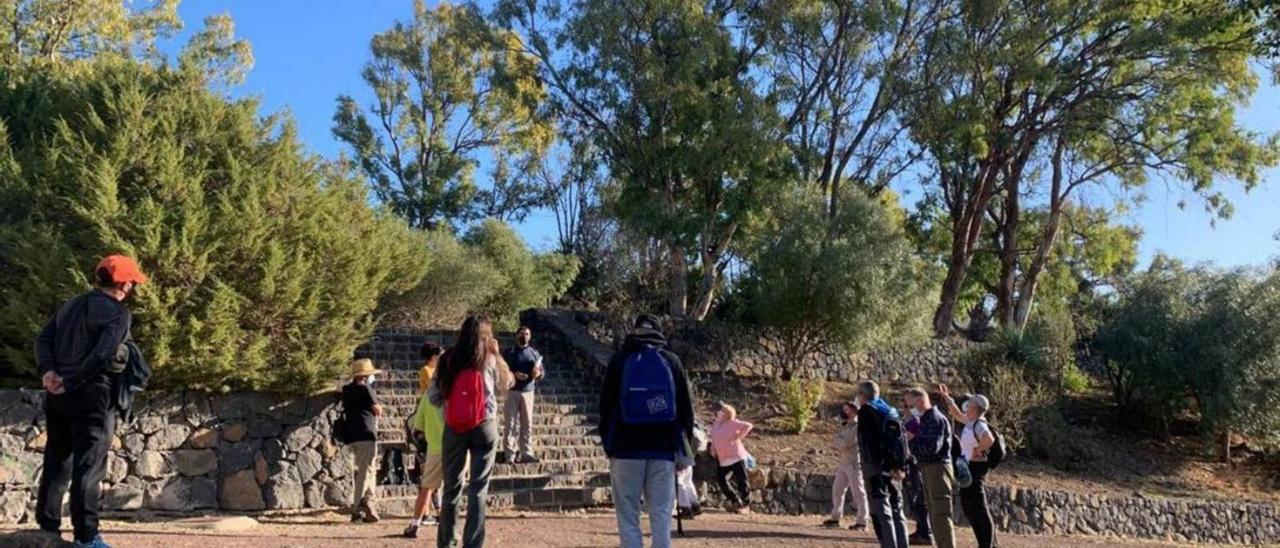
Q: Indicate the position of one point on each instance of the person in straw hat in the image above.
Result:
(360, 406)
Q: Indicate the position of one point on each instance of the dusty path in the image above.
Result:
(580, 530)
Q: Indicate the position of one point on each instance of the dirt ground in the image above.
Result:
(578, 530)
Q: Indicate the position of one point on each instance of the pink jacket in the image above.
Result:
(726, 441)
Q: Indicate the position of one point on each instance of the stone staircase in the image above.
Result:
(573, 472)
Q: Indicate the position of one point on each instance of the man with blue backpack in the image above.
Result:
(885, 455)
(646, 419)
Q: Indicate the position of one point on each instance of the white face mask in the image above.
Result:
(916, 413)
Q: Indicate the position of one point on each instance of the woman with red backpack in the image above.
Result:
(466, 387)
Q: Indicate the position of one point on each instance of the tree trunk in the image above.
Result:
(677, 286)
(1031, 279)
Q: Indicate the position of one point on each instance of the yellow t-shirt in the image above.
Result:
(424, 378)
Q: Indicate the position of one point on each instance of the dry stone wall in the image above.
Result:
(747, 351)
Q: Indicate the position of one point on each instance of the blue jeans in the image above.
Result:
(655, 481)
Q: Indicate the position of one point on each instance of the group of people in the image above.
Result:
(454, 426)
(646, 422)
(880, 454)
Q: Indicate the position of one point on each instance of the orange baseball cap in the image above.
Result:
(122, 269)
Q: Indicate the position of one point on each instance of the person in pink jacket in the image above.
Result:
(726, 446)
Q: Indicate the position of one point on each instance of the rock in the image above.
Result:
(117, 468)
(260, 470)
(204, 493)
(313, 493)
(150, 465)
(240, 492)
(134, 443)
(151, 424)
(284, 495)
(169, 438)
(265, 427)
(236, 456)
(299, 439)
(13, 505)
(309, 464)
(195, 462)
(122, 497)
(37, 443)
(204, 438)
(234, 432)
(339, 493)
(173, 495)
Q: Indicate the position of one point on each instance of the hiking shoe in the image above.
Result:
(97, 542)
(410, 532)
(831, 523)
(858, 527)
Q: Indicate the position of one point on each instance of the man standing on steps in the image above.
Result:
(75, 353)
(646, 420)
(526, 367)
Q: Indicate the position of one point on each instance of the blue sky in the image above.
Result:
(307, 52)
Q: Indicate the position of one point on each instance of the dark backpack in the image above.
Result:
(998, 450)
(648, 393)
(896, 453)
(131, 379)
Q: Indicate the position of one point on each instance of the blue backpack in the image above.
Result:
(648, 389)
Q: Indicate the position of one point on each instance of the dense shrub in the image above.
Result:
(1199, 341)
(800, 399)
(266, 264)
(490, 270)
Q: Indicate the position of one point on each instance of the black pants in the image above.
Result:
(738, 494)
(480, 444)
(973, 500)
(914, 487)
(887, 518)
(79, 429)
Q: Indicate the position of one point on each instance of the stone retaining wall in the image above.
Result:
(746, 351)
(190, 452)
(1036, 511)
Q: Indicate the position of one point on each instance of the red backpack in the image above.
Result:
(464, 408)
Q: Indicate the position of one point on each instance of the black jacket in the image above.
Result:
(82, 340)
(657, 442)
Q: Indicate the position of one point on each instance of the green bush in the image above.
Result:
(490, 270)
(266, 263)
(800, 399)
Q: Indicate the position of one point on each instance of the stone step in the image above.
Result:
(555, 499)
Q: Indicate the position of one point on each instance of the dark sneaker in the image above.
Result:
(410, 532)
(916, 540)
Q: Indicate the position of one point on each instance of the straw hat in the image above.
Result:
(363, 368)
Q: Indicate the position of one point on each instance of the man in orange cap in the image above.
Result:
(75, 354)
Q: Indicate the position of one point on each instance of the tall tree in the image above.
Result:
(58, 31)
(447, 88)
(837, 72)
(666, 90)
(1042, 96)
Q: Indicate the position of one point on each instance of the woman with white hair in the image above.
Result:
(975, 441)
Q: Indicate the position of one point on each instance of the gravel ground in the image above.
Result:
(593, 529)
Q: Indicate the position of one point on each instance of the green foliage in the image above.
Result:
(490, 270)
(447, 86)
(850, 281)
(266, 264)
(800, 399)
(55, 32)
(1200, 340)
